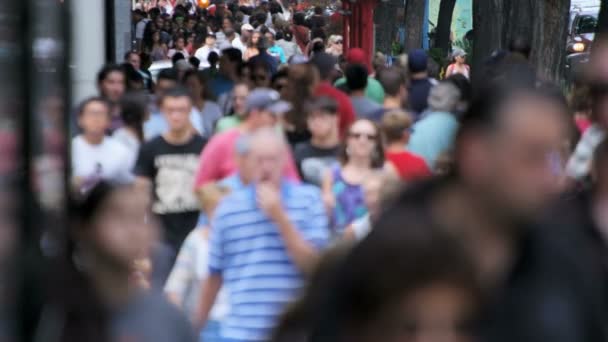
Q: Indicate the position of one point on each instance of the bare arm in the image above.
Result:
(211, 287)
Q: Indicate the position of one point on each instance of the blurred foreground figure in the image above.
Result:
(98, 295)
(397, 285)
(537, 288)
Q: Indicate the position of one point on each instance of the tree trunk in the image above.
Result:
(414, 22)
(488, 22)
(385, 18)
(444, 25)
(549, 37)
(519, 20)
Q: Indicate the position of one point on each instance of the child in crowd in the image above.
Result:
(191, 268)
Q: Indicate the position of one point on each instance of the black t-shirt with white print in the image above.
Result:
(172, 169)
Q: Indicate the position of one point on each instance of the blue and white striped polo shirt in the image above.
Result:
(247, 249)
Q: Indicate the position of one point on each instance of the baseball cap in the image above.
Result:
(417, 60)
(247, 27)
(297, 59)
(356, 56)
(266, 99)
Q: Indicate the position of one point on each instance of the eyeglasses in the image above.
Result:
(339, 42)
(370, 137)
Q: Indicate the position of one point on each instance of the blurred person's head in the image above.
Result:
(246, 32)
(167, 80)
(459, 55)
(210, 40)
(135, 81)
(260, 74)
(396, 126)
(134, 59)
(280, 81)
(213, 59)
(94, 118)
(364, 144)
(417, 62)
(269, 150)
(379, 189)
(178, 56)
(269, 38)
(109, 232)
(112, 82)
(255, 39)
(322, 119)
(356, 77)
(521, 46)
(444, 97)
(395, 85)
(230, 61)
(325, 64)
(133, 112)
(195, 62)
(263, 107)
(156, 37)
(379, 61)
(176, 105)
(466, 92)
(180, 43)
(335, 45)
(239, 98)
(302, 82)
(195, 81)
(507, 144)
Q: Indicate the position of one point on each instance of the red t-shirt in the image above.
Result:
(218, 159)
(346, 111)
(409, 166)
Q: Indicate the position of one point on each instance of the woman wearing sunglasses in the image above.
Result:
(335, 46)
(362, 156)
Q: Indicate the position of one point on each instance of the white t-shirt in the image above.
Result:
(190, 271)
(110, 160)
(203, 53)
(238, 44)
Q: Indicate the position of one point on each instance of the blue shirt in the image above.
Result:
(277, 51)
(157, 124)
(248, 251)
(433, 135)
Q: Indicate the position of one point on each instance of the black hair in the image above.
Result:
(317, 47)
(133, 76)
(168, 74)
(279, 35)
(206, 93)
(464, 86)
(299, 19)
(356, 77)
(83, 105)
(178, 56)
(175, 92)
(318, 10)
(154, 12)
(234, 55)
(282, 73)
(213, 58)
(106, 70)
(391, 79)
(133, 112)
(129, 53)
(318, 33)
(195, 62)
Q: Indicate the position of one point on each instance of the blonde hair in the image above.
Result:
(394, 124)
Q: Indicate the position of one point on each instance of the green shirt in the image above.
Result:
(227, 123)
(373, 91)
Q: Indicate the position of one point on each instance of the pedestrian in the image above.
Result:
(394, 83)
(94, 155)
(356, 80)
(300, 31)
(203, 53)
(492, 202)
(133, 111)
(362, 155)
(335, 46)
(179, 46)
(260, 73)
(157, 48)
(134, 59)
(236, 109)
(434, 133)
(396, 126)
(157, 122)
(208, 110)
(112, 85)
(302, 82)
(231, 62)
(263, 108)
(420, 83)
(459, 65)
(252, 46)
(285, 41)
(291, 228)
(192, 268)
(412, 284)
(275, 50)
(166, 166)
(326, 64)
(319, 154)
(373, 90)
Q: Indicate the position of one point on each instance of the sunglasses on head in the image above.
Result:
(356, 135)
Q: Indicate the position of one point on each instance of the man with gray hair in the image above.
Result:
(435, 132)
(265, 239)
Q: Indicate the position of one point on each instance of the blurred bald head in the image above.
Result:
(268, 152)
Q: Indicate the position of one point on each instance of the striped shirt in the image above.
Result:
(250, 254)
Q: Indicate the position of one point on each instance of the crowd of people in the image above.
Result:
(277, 188)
